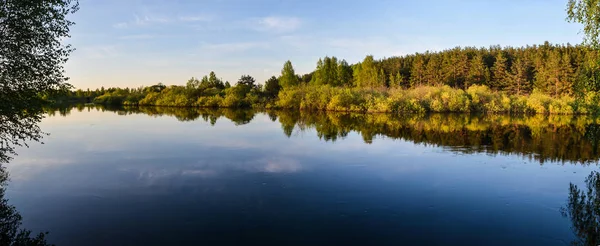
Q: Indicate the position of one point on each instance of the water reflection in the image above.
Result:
(583, 209)
(17, 127)
(11, 232)
(565, 139)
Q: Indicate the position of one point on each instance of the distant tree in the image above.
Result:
(193, 83)
(317, 78)
(418, 71)
(500, 72)
(214, 82)
(247, 80)
(288, 76)
(396, 80)
(433, 71)
(344, 73)
(520, 82)
(367, 74)
(272, 87)
(478, 72)
(306, 78)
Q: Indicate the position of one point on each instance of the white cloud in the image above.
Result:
(278, 24)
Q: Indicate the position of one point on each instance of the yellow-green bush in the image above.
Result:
(209, 102)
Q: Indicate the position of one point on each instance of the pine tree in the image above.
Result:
(272, 87)
(433, 71)
(367, 75)
(500, 73)
(344, 73)
(418, 72)
(478, 72)
(520, 83)
(567, 75)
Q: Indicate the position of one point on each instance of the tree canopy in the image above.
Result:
(32, 57)
(288, 76)
(586, 12)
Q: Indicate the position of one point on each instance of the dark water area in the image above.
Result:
(172, 176)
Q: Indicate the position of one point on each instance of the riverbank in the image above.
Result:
(426, 99)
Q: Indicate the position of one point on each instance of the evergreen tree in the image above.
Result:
(520, 82)
(418, 72)
(317, 78)
(433, 72)
(214, 82)
(367, 74)
(247, 80)
(344, 73)
(478, 72)
(500, 73)
(288, 76)
(272, 87)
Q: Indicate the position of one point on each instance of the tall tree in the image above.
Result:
(288, 76)
(500, 73)
(247, 80)
(478, 71)
(193, 84)
(367, 74)
(520, 71)
(344, 73)
(32, 58)
(317, 78)
(418, 71)
(272, 87)
(215, 82)
(433, 71)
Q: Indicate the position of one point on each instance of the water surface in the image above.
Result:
(168, 176)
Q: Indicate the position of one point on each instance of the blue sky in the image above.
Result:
(128, 43)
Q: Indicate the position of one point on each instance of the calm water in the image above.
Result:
(165, 176)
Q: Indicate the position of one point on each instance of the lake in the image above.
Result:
(171, 176)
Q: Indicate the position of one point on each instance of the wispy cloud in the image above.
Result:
(149, 20)
(278, 24)
(145, 20)
(196, 18)
(139, 36)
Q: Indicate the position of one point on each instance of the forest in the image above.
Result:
(542, 79)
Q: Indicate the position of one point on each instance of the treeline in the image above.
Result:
(556, 138)
(561, 79)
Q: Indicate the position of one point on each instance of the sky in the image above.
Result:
(130, 43)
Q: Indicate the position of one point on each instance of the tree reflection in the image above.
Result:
(556, 138)
(16, 129)
(583, 208)
(11, 232)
